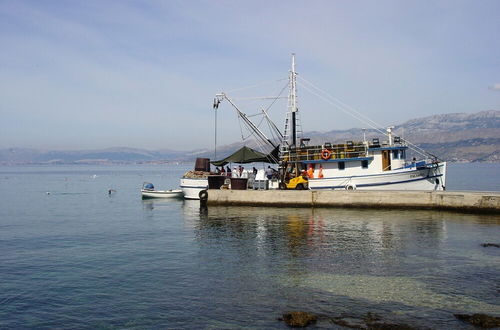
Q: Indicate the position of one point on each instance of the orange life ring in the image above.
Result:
(325, 154)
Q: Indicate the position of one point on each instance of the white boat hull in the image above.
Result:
(192, 187)
(161, 193)
(430, 178)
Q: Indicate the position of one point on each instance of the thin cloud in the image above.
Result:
(145, 76)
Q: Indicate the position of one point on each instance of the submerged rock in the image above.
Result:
(349, 322)
(389, 326)
(371, 317)
(370, 321)
(480, 320)
(490, 245)
(299, 319)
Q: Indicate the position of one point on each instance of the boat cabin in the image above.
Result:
(346, 159)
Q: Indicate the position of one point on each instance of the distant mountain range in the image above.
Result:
(109, 155)
(456, 137)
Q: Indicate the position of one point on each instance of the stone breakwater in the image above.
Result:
(465, 201)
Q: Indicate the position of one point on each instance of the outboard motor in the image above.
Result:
(148, 186)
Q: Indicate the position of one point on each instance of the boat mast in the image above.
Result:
(293, 101)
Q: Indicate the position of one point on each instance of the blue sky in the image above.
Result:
(95, 74)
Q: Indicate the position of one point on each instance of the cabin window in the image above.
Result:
(398, 154)
(364, 163)
(341, 165)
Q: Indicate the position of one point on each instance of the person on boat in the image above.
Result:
(320, 173)
(236, 173)
(222, 170)
(290, 173)
(310, 172)
(254, 171)
(228, 171)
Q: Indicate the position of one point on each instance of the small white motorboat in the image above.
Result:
(148, 191)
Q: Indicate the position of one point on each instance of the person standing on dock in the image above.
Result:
(269, 173)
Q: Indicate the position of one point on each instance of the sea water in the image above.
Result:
(74, 255)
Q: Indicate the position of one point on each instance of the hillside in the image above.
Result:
(109, 155)
(456, 137)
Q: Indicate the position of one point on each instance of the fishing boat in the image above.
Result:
(380, 163)
(191, 187)
(148, 191)
(192, 182)
(365, 165)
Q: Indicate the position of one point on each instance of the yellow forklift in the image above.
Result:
(293, 178)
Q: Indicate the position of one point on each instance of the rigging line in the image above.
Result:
(241, 130)
(334, 99)
(256, 85)
(255, 115)
(253, 98)
(340, 107)
(272, 126)
(261, 146)
(271, 129)
(248, 122)
(264, 148)
(261, 141)
(275, 99)
(257, 132)
(411, 145)
(260, 122)
(278, 97)
(367, 120)
(249, 131)
(415, 147)
(419, 150)
(274, 137)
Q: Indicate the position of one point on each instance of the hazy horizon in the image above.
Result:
(95, 75)
(428, 120)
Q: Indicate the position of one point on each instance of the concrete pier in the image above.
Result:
(465, 201)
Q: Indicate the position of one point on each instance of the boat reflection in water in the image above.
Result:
(401, 264)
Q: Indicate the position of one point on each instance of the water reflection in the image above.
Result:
(302, 231)
(403, 259)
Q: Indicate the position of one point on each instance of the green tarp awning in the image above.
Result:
(247, 155)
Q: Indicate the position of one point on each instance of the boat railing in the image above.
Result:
(324, 152)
